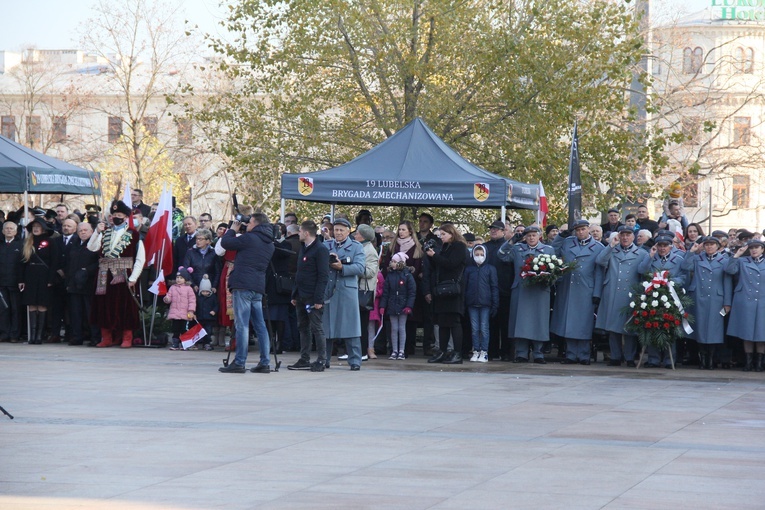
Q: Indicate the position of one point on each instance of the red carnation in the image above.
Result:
(655, 324)
(653, 312)
(677, 322)
(666, 325)
(647, 325)
(634, 313)
(542, 267)
(645, 314)
(637, 321)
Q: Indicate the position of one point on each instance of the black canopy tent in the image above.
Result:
(414, 167)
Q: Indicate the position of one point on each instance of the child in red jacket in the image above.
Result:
(183, 303)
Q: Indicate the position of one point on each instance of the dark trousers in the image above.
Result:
(79, 314)
(58, 310)
(291, 341)
(9, 315)
(364, 331)
(310, 326)
(499, 343)
(455, 332)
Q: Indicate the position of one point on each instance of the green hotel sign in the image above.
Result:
(741, 10)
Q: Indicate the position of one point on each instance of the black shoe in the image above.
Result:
(540, 361)
(651, 365)
(568, 361)
(520, 360)
(454, 358)
(316, 366)
(261, 369)
(232, 368)
(300, 364)
(614, 363)
(355, 368)
(584, 362)
(631, 363)
(438, 357)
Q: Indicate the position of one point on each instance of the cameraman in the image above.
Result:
(254, 250)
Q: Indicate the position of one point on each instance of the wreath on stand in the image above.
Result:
(657, 313)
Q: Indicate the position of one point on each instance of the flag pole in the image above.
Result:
(154, 302)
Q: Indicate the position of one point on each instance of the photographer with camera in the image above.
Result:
(342, 317)
(254, 249)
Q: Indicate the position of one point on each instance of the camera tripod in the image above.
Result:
(271, 337)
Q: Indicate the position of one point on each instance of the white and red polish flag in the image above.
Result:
(193, 335)
(542, 213)
(158, 241)
(159, 287)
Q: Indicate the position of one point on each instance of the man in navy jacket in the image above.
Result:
(248, 284)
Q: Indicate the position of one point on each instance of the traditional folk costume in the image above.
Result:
(114, 308)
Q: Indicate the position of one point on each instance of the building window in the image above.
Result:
(8, 127)
(115, 129)
(150, 125)
(741, 191)
(34, 131)
(692, 60)
(690, 128)
(59, 129)
(743, 60)
(691, 194)
(184, 131)
(742, 130)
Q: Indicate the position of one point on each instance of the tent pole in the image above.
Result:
(332, 212)
(281, 214)
(503, 213)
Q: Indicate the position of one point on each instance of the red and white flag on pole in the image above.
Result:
(542, 213)
(193, 335)
(128, 200)
(158, 241)
(159, 287)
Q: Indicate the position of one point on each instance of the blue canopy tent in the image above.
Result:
(23, 170)
(414, 167)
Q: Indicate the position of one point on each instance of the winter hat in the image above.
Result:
(185, 273)
(367, 232)
(205, 284)
(400, 258)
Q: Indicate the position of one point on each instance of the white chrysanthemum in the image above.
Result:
(643, 305)
(667, 305)
(632, 304)
(664, 299)
(642, 298)
(630, 294)
(654, 303)
(645, 285)
(552, 266)
(536, 268)
(655, 294)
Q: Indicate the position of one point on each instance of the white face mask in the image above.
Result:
(480, 259)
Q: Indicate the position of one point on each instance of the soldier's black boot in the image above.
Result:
(710, 357)
(40, 327)
(702, 357)
(748, 364)
(758, 362)
(32, 328)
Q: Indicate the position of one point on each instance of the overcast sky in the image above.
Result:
(53, 24)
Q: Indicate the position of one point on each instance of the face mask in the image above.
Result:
(118, 221)
(136, 223)
(480, 259)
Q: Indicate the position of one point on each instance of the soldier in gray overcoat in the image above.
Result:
(624, 264)
(342, 319)
(665, 257)
(529, 304)
(578, 292)
(712, 291)
(747, 318)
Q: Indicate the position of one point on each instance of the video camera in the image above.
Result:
(430, 244)
(244, 219)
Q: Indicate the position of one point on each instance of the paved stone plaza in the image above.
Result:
(126, 429)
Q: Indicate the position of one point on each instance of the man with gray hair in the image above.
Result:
(10, 269)
(643, 236)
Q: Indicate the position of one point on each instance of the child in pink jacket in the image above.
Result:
(183, 303)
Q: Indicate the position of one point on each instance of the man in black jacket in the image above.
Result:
(10, 267)
(59, 304)
(247, 281)
(186, 240)
(500, 345)
(81, 269)
(308, 298)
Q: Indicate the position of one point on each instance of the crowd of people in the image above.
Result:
(356, 290)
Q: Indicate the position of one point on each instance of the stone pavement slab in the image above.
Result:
(152, 429)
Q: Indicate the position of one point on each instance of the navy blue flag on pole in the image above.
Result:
(574, 181)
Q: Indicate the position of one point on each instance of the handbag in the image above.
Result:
(366, 299)
(448, 288)
(284, 285)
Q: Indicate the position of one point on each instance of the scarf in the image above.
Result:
(404, 245)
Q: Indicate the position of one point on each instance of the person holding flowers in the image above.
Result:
(529, 320)
(665, 258)
(577, 292)
(712, 291)
(624, 264)
(747, 319)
